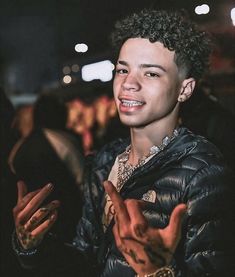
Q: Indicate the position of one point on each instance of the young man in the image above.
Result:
(161, 169)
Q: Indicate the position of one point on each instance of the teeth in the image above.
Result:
(131, 103)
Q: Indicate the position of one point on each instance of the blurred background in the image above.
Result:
(56, 69)
(63, 47)
(38, 42)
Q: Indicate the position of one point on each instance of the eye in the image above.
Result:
(152, 74)
(121, 71)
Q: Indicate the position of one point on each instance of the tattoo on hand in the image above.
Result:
(134, 257)
(132, 253)
(27, 240)
(158, 254)
(155, 257)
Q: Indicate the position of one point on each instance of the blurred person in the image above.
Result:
(89, 117)
(101, 106)
(9, 265)
(23, 120)
(108, 126)
(75, 115)
(8, 134)
(177, 214)
(81, 120)
(51, 154)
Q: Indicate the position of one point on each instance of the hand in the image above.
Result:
(146, 249)
(32, 223)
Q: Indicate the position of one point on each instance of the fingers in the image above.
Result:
(138, 222)
(40, 214)
(176, 218)
(32, 204)
(45, 226)
(23, 203)
(174, 227)
(129, 214)
(117, 237)
(118, 204)
(32, 239)
(31, 232)
(22, 190)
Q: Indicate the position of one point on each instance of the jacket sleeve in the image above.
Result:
(209, 235)
(53, 257)
(89, 229)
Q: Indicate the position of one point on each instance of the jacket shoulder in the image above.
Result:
(109, 151)
(200, 151)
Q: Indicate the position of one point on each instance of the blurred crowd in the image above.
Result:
(95, 122)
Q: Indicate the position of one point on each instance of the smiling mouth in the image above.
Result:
(131, 103)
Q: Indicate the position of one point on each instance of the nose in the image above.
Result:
(131, 83)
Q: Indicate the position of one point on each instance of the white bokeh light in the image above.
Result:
(98, 71)
(67, 79)
(81, 47)
(233, 16)
(203, 9)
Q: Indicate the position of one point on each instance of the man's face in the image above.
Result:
(147, 84)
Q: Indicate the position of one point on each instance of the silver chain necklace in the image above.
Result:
(125, 169)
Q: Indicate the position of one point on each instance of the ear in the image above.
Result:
(186, 89)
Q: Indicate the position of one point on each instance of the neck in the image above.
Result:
(142, 139)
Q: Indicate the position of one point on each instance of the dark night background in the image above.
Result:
(37, 40)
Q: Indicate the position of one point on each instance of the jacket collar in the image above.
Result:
(176, 149)
(184, 143)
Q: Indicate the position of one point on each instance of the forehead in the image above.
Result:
(137, 50)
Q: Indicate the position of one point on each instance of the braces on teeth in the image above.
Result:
(131, 103)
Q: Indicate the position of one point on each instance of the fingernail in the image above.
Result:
(44, 209)
(55, 202)
(49, 186)
(52, 217)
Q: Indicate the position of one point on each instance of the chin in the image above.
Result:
(132, 124)
(132, 121)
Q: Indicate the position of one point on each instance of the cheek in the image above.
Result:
(162, 98)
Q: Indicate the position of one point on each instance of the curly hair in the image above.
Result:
(175, 31)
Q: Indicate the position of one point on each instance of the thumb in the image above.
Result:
(174, 227)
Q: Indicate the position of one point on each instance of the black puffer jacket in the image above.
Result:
(188, 170)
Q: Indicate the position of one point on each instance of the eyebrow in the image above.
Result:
(144, 65)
